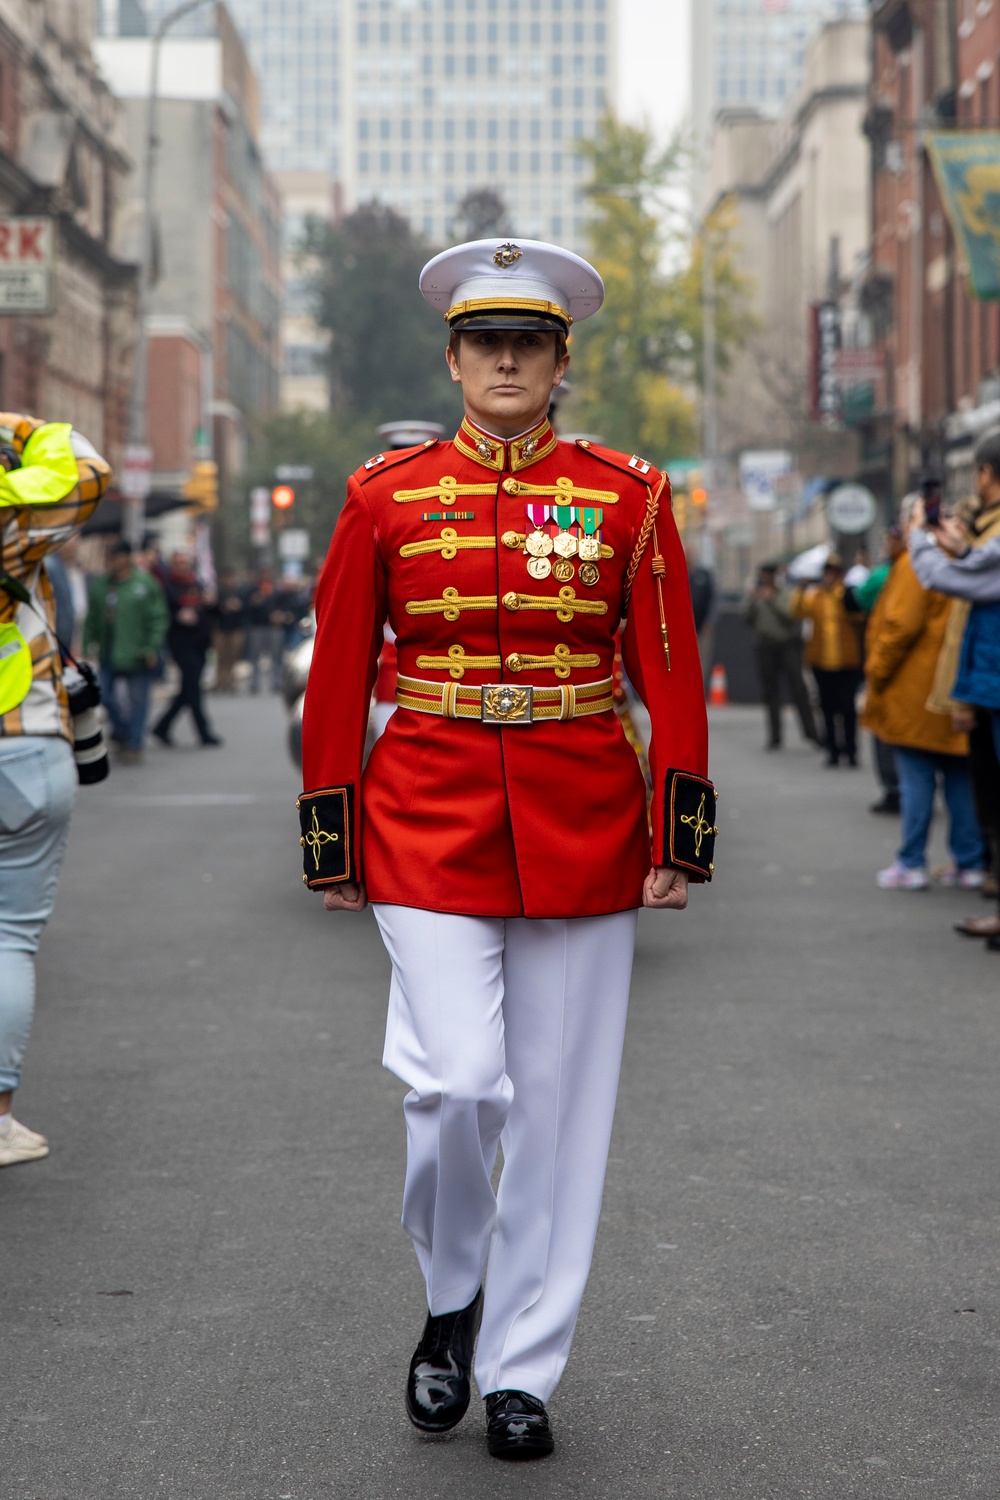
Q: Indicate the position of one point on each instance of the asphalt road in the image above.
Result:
(205, 1294)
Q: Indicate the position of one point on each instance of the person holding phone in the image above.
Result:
(965, 563)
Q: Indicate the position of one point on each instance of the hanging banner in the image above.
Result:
(967, 168)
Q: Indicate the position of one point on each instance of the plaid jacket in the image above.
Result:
(29, 529)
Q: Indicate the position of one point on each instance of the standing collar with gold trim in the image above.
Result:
(517, 453)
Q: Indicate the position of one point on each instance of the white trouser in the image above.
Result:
(507, 1031)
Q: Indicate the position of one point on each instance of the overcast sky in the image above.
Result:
(653, 67)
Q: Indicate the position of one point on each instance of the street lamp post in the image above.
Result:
(138, 414)
(710, 406)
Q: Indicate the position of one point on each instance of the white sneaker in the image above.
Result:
(898, 878)
(18, 1143)
(965, 880)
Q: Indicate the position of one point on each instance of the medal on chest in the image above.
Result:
(576, 542)
(538, 544)
(590, 541)
(565, 543)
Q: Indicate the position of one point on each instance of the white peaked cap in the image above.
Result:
(511, 284)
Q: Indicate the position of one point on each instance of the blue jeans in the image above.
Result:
(128, 728)
(918, 776)
(38, 784)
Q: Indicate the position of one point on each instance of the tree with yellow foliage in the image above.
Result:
(635, 369)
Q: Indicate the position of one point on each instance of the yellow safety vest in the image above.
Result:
(48, 474)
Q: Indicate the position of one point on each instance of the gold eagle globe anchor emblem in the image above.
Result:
(506, 705)
(506, 256)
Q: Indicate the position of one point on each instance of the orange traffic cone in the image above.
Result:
(718, 688)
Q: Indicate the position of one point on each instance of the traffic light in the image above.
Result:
(282, 497)
(699, 496)
(202, 485)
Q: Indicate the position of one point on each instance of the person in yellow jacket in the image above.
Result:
(833, 652)
(905, 635)
(51, 479)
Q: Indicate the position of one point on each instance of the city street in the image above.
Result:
(206, 1294)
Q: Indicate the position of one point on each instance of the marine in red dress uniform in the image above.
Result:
(500, 827)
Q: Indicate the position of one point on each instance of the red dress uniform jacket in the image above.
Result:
(543, 818)
(388, 672)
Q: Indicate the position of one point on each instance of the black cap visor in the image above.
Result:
(507, 322)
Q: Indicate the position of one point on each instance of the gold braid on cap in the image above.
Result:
(499, 304)
(647, 530)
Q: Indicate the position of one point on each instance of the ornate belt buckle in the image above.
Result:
(506, 704)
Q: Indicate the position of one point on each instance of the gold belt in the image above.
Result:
(504, 702)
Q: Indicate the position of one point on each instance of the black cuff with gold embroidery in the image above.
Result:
(328, 836)
(689, 830)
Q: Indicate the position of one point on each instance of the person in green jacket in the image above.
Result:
(126, 626)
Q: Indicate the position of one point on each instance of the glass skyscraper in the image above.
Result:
(450, 96)
(750, 54)
(416, 103)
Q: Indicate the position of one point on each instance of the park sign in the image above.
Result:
(967, 168)
(27, 266)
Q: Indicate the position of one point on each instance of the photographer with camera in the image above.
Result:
(51, 480)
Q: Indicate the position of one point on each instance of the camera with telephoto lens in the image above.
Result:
(89, 749)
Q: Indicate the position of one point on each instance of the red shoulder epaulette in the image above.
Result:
(639, 468)
(379, 462)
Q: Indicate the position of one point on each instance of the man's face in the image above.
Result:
(121, 565)
(507, 377)
(986, 483)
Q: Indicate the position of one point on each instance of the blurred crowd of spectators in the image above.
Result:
(920, 633)
(152, 625)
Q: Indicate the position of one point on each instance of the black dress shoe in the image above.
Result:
(517, 1426)
(889, 804)
(993, 943)
(163, 735)
(437, 1389)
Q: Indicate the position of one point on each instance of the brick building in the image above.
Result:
(936, 68)
(63, 159)
(214, 330)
